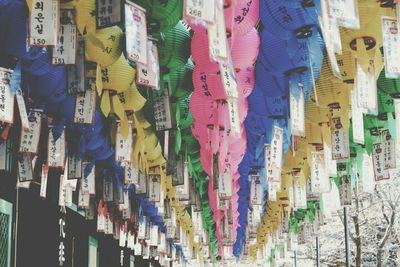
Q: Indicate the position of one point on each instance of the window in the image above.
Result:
(5, 233)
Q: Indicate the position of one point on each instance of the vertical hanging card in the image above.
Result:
(389, 152)
(217, 35)
(345, 189)
(228, 79)
(64, 53)
(199, 10)
(56, 150)
(88, 182)
(6, 96)
(76, 72)
(256, 190)
(136, 32)
(123, 146)
(22, 109)
(225, 184)
(154, 187)
(297, 117)
(345, 12)
(162, 111)
(131, 173)
(74, 166)
(177, 178)
(319, 176)
(391, 47)
(149, 74)
(299, 192)
(108, 13)
(330, 164)
(108, 188)
(85, 107)
(366, 88)
(368, 177)
(141, 187)
(153, 235)
(30, 137)
(234, 115)
(183, 190)
(44, 23)
(43, 181)
(276, 155)
(340, 141)
(357, 120)
(378, 160)
(25, 170)
(83, 199)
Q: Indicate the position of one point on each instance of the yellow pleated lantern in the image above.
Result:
(85, 15)
(104, 46)
(119, 76)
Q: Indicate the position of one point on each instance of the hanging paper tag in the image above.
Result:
(234, 115)
(162, 111)
(30, 137)
(131, 173)
(83, 199)
(141, 188)
(217, 35)
(183, 190)
(319, 177)
(340, 141)
(274, 170)
(56, 150)
(108, 188)
(74, 167)
(366, 88)
(345, 12)
(44, 23)
(43, 181)
(142, 228)
(228, 79)
(136, 33)
(153, 235)
(108, 13)
(378, 159)
(389, 152)
(297, 117)
(6, 96)
(256, 190)
(88, 182)
(76, 72)
(357, 120)
(368, 177)
(123, 146)
(225, 184)
(345, 190)
(299, 193)
(25, 170)
(85, 107)
(391, 47)
(22, 109)
(330, 164)
(199, 10)
(149, 75)
(178, 177)
(154, 187)
(64, 53)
